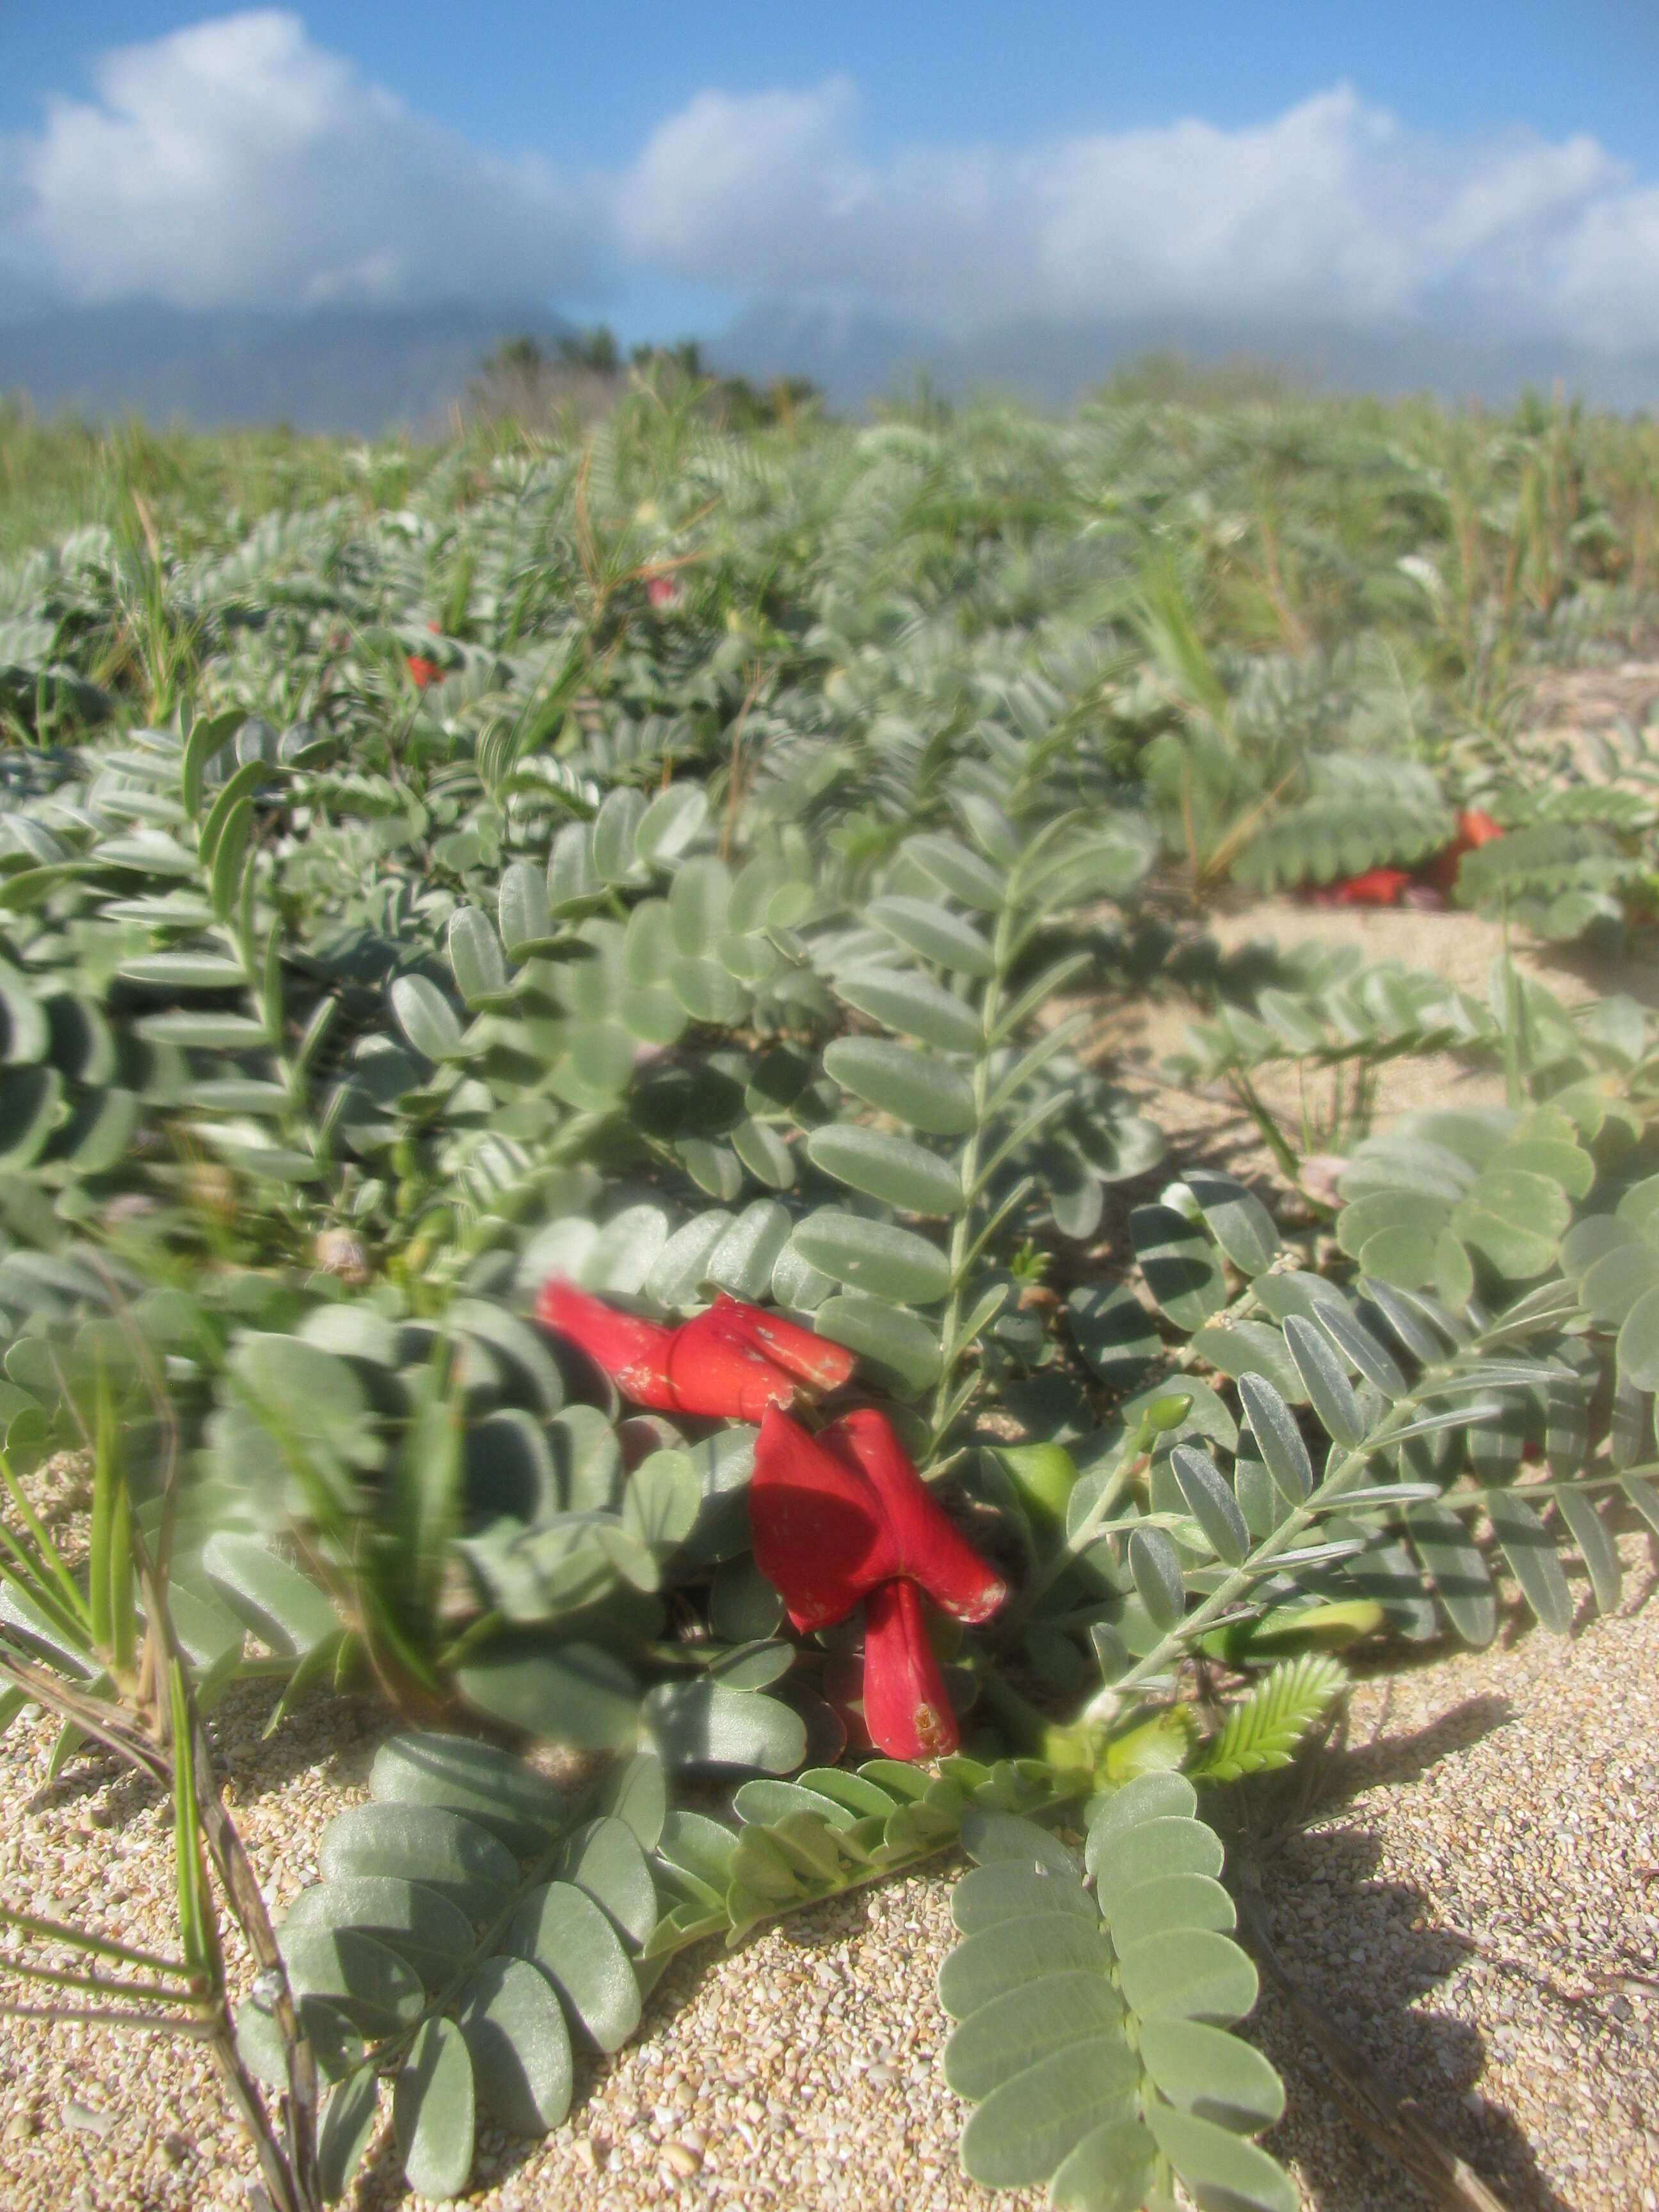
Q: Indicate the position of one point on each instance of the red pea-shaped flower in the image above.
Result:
(731, 1363)
(844, 1517)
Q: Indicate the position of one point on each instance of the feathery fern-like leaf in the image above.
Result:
(1264, 1730)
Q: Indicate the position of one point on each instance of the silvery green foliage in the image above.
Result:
(1094, 2004)
(469, 916)
(474, 1930)
(1359, 813)
(1320, 1007)
(825, 1830)
(467, 1930)
(1428, 1409)
(1475, 1403)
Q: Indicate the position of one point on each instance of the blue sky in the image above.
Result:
(958, 168)
(589, 82)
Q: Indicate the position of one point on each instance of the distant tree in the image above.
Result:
(521, 382)
(684, 358)
(737, 404)
(525, 383)
(520, 357)
(594, 350)
(1169, 378)
(924, 404)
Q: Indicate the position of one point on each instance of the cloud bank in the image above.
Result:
(236, 163)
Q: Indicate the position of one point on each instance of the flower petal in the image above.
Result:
(820, 1536)
(905, 1707)
(930, 1547)
(632, 1350)
(1377, 887)
(813, 1359)
(714, 1372)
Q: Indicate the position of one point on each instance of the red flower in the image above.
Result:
(730, 1363)
(1474, 829)
(1395, 886)
(425, 672)
(661, 591)
(844, 1515)
(931, 1549)
(905, 1707)
(1377, 887)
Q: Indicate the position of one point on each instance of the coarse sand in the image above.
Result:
(1471, 1895)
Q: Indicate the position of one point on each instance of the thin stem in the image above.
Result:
(62, 1977)
(44, 1544)
(961, 1249)
(886, 1872)
(1091, 1526)
(1108, 1702)
(1471, 1501)
(54, 1931)
(1271, 1135)
(92, 2016)
(93, 1718)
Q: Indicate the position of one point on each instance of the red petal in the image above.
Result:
(632, 1350)
(1377, 887)
(819, 1534)
(714, 1372)
(826, 1366)
(930, 1547)
(1476, 827)
(905, 1707)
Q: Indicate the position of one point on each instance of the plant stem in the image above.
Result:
(1077, 1543)
(1107, 1703)
(961, 1245)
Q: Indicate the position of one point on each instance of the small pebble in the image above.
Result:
(86, 2120)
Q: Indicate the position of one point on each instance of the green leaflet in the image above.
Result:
(882, 1166)
(916, 1087)
(1179, 1264)
(1063, 2039)
(888, 1261)
(912, 1005)
(433, 2110)
(1263, 1730)
(418, 1898)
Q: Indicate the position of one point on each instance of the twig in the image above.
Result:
(734, 784)
(1367, 2097)
(201, 2030)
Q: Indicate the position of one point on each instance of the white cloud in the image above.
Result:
(1333, 211)
(238, 162)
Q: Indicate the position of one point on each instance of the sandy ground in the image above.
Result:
(1132, 1045)
(1468, 1883)
(1471, 1898)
